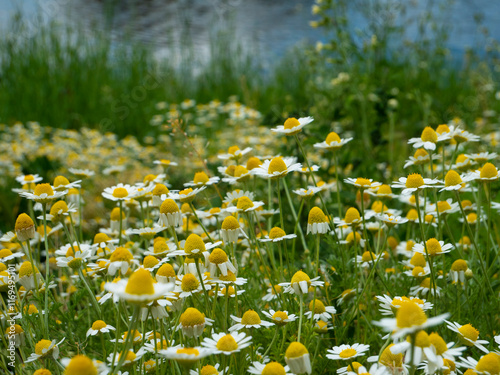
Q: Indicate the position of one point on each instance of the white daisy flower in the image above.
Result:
(362, 183)
(300, 283)
(280, 318)
(202, 179)
(45, 348)
(468, 335)
(434, 247)
(332, 142)
(222, 343)
(389, 306)
(99, 326)
(321, 312)
(235, 153)
(29, 179)
(347, 352)
(277, 234)
(413, 182)
(277, 167)
(292, 125)
(258, 368)
(250, 319)
(120, 192)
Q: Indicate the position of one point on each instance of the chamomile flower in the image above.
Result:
(74, 256)
(434, 247)
(231, 229)
(425, 287)
(389, 306)
(422, 350)
(307, 193)
(482, 157)
(317, 222)
(29, 179)
(321, 312)
(235, 153)
(468, 335)
(99, 326)
(458, 270)
(419, 158)
(45, 348)
(218, 260)
(298, 359)
(280, 318)
(61, 183)
(461, 136)
(7, 255)
(250, 319)
(120, 192)
(43, 193)
(362, 183)
(352, 218)
(184, 355)
(272, 293)
(488, 364)
(292, 125)
(367, 259)
(428, 139)
(187, 195)
(81, 364)
(130, 358)
(277, 168)
(192, 322)
(244, 204)
(121, 259)
(202, 179)
(277, 234)
(332, 142)
(258, 368)
(222, 343)
(210, 370)
(188, 284)
(147, 233)
(347, 352)
(413, 183)
(391, 220)
(82, 173)
(487, 173)
(301, 283)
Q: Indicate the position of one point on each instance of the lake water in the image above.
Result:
(272, 26)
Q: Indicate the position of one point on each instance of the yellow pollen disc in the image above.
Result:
(280, 316)
(189, 351)
(461, 159)
(300, 276)
(332, 138)
(420, 153)
(414, 181)
(418, 260)
(229, 277)
(3, 267)
(230, 223)
(120, 192)
(5, 253)
(295, 350)
(253, 163)
(417, 271)
(348, 353)
(291, 123)
(193, 243)
(387, 358)
(227, 344)
(459, 265)
(412, 215)
(355, 367)
(443, 206)
(140, 282)
(443, 128)
(101, 237)
(368, 256)
(438, 343)
(217, 256)
(426, 283)
(429, 218)
(160, 189)
(166, 270)
(29, 177)
(43, 188)
(490, 363)
(186, 208)
(169, 207)
(488, 171)
(319, 307)
(433, 246)
(232, 150)
(186, 193)
(449, 364)
(472, 217)
(150, 261)
(277, 165)
(189, 283)
(229, 291)
(42, 344)
(470, 372)
(70, 252)
(276, 232)
(192, 317)
(352, 215)
(277, 288)
(209, 370)
(98, 325)
(149, 178)
(422, 340)
(250, 317)
(240, 170)
(409, 315)
(160, 247)
(429, 135)
(379, 206)
(121, 254)
(452, 178)
(316, 215)
(244, 203)
(273, 368)
(384, 190)
(26, 269)
(31, 309)
(200, 178)
(115, 214)
(350, 237)
(80, 365)
(363, 182)
(23, 221)
(230, 170)
(469, 332)
(409, 245)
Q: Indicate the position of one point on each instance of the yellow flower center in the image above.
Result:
(279, 317)
(277, 288)
(422, 340)
(469, 332)
(217, 256)
(121, 254)
(472, 217)
(120, 192)
(189, 351)
(490, 363)
(26, 269)
(452, 178)
(277, 165)
(368, 256)
(276, 232)
(438, 343)
(115, 214)
(409, 315)
(230, 223)
(420, 153)
(41, 345)
(295, 350)
(43, 188)
(459, 265)
(429, 135)
(291, 123)
(355, 367)
(166, 270)
(5, 253)
(319, 307)
(332, 137)
(209, 370)
(23, 221)
(160, 247)
(352, 215)
(414, 181)
(300, 276)
(443, 206)
(316, 215)
(169, 207)
(229, 277)
(253, 163)
(461, 159)
(387, 358)
(228, 291)
(140, 282)
(192, 317)
(250, 317)
(426, 283)
(129, 357)
(418, 260)
(488, 171)
(273, 368)
(348, 353)
(350, 237)
(363, 182)
(150, 261)
(433, 246)
(189, 283)
(98, 325)
(230, 170)
(194, 245)
(186, 192)
(232, 150)
(101, 237)
(417, 271)
(244, 203)
(201, 178)
(227, 343)
(160, 189)
(378, 206)
(384, 190)
(443, 128)
(240, 170)
(80, 365)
